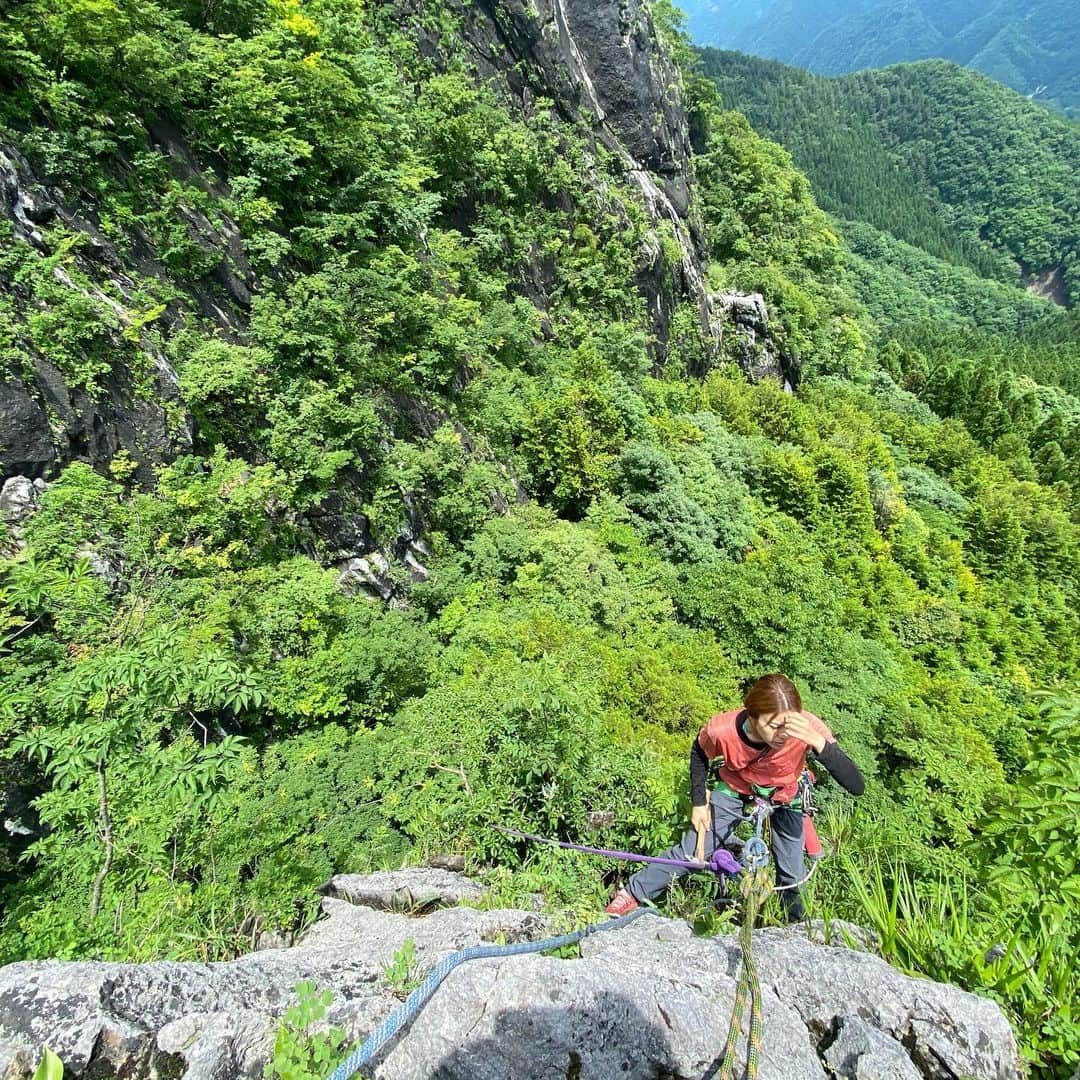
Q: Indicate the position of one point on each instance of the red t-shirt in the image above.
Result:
(743, 765)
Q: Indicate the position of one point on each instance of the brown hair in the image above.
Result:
(772, 694)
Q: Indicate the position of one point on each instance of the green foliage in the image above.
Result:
(903, 286)
(1028, 46)
(759, 207)
(50, 1067)
(573, 430)
(949, 929)
(65, 317)
(851, 168)
(925, 488)
(1033, 428)
(1028, 859)
(309, 807)
(457, 489)
(113, 732)
(304, 1050)
(997, 915)
(651, 490)
(400, 973)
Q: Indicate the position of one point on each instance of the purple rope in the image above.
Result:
(722, 862)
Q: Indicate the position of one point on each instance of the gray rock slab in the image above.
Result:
(836, 932)
(612, 1013)
(26, 445)
(218, 1045)
(644, 1000)
(86, 1011)
(948, 1031)
(405, 890)
(19, 499)
(864, 1053)
(14, 1063)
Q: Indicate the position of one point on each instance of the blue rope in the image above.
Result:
(418, 998)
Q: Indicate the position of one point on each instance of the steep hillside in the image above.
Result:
(419, 417)
(1032, 46)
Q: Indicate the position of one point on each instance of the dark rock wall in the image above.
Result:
(45, 421)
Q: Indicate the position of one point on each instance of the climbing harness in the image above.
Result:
(418, 998)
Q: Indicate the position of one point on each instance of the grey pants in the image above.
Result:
(786, 826)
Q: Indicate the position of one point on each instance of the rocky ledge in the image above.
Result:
(648, 1000)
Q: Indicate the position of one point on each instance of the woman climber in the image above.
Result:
(759, 751)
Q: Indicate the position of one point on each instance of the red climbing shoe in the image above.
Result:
(622, 903)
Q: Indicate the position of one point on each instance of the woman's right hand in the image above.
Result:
(701, 817)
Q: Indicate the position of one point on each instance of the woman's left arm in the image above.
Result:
(841, 768)
(827, 750)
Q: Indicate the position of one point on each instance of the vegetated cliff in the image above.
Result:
(113, 389)
(119, 391)
(645, 1001)
(600, 61)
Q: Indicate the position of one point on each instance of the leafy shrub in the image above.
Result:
(572, 436)
(400, 973)
(652, 491)
(924, 487)
(302, 1051)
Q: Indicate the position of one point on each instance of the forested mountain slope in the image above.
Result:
(941, 157)
(382, 463)
(951, 192)
(1032, 46)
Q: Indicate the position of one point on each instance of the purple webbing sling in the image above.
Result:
(722, 862)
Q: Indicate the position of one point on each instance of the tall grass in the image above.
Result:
(948, 929)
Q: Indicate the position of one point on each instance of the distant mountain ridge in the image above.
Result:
(1031, 45)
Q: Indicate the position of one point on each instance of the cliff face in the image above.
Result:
(600, 57)
(599, 64)
(46, 419)
(601, 60)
